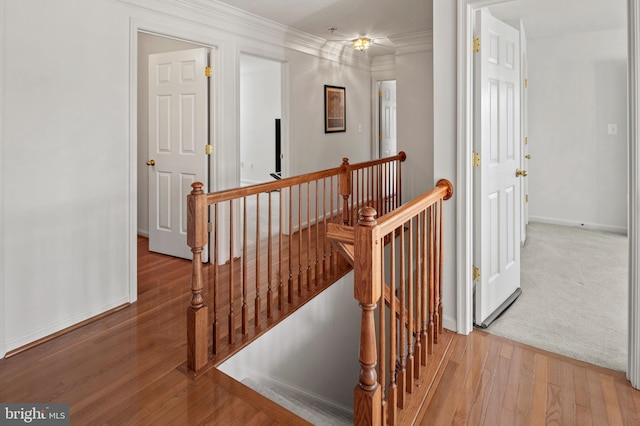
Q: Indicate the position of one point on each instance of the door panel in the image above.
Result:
(496, 188)
(524, 215)
(388, 139)
(178, 134)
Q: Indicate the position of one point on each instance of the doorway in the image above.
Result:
(387, 132)
(575, 160)
(260, 120)
(465, 126)
(150, 44)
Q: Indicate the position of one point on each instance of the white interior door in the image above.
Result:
(178, 135)
(524, 140)
(496, 186)
(388, 138)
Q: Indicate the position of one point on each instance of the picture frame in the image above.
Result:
(335, 109)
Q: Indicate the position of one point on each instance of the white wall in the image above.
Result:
(260, 105)
(321, 151)
(445, 134)
(69, 136)
(66, 245)
(578, 172)
(147, 45)
(315, 349)
(414, 78)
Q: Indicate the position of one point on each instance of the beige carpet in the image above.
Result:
(574, 295)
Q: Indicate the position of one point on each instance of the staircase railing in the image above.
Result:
(268, 249)
(397, 259)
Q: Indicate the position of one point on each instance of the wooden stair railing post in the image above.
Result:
(345, 190)
(367, 290)
(197, 313)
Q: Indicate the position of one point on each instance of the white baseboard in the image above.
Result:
(64, 323)
(143, 233)
(584, 225)
(247, 182)
(449, 323)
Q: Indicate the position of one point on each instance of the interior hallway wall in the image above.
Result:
(69, 140)
(578, 171)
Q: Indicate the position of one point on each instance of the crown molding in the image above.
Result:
(246, 25)
(385, 63)
(421, 41)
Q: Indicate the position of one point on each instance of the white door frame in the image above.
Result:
(633, 25)
(135, 27)
(464, 219)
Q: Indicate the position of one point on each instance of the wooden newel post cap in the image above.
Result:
(448, 186)
(197, 188)
(367, 216)
(403, 156)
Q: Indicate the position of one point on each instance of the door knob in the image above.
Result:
(151, 163)
(528, 156)
(522, 173)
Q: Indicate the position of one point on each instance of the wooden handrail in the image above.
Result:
(387, 223)
(287, 259)
(408, 297)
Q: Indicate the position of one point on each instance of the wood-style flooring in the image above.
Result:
(490, 380)
(123, 370)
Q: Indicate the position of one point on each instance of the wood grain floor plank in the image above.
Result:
(541, 395)
(611, 402)
(525, 388)
(509, 402)
(628, 411)
(551, 389)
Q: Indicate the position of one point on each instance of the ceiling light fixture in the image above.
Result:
(361, 43)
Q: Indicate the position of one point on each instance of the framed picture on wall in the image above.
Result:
(334, 109)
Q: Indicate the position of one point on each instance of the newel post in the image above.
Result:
(367, 290)
(345, 190)
(197, 312)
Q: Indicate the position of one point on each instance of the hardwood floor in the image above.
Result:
(122, 369)
(490, 380)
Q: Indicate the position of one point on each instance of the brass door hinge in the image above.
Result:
(526, 140)
(208, 149)
(476, 274)
(526, 198)
(476, 44)
(209, 227)
(526, 83)
(476, 159)
(208, 71)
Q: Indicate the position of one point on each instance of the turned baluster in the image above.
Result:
(345, 190)
(424, 312)
(244, 308)
(432, 300)
(197, 313)
(367, 290)
(216, 275)
(402, 359)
